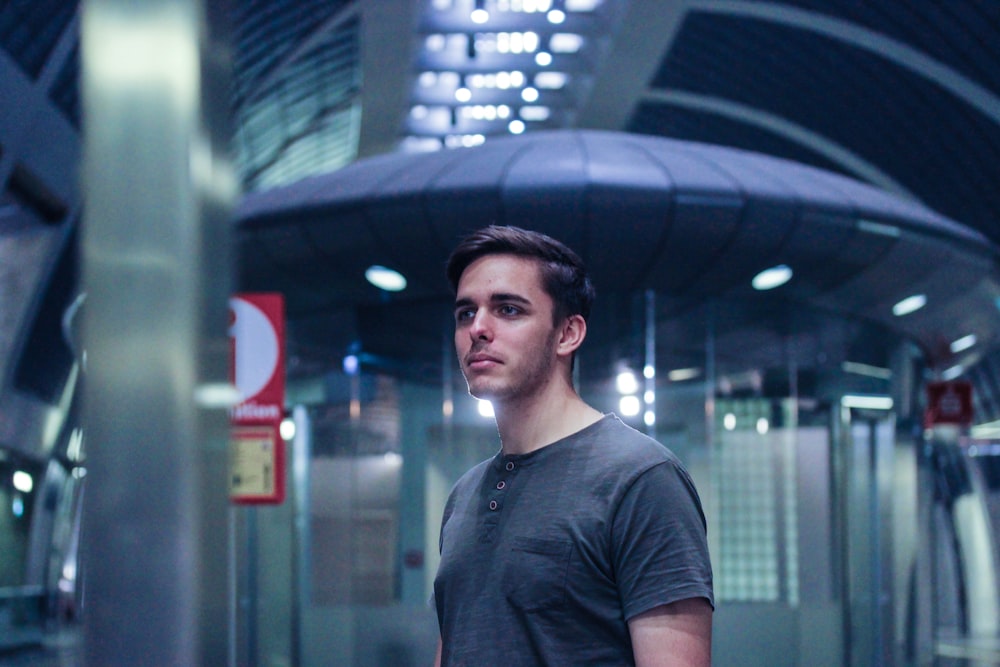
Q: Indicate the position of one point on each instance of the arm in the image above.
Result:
(437, 657)
(678, 634)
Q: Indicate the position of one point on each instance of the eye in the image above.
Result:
(509, 310)
(464, 314)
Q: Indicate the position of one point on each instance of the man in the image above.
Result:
(582, 542)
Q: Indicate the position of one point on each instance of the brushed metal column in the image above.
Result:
(155, 249)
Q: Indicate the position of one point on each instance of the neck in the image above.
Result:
(533, 423)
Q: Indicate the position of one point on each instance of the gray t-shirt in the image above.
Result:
(546, 556)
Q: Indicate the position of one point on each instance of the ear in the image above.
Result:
(574, 330)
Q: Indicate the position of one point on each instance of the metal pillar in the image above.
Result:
(158, 191)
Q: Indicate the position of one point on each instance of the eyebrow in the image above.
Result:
(499, 297)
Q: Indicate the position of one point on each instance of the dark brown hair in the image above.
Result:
(564, 276)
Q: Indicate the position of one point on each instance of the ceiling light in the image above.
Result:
(23, 481)
(649, 418)
(479, 16)
(649, 397)
(556, 16)
(866, 402)
(385, 278)
(879, 228)
(909, 305)
(485, 408)
(565, 42)
(964, 343)
(435, 43)
(529, 95)
(952, 373)
(867, 370)
(776, 276)
(535, 113)
(762, 426)
(551, 80)
(463, 94)
(581, 5)
(627, 383)
(543, 58)
(729, 421)
(629, 406)
(648, 372)
(516, 127)
(681, 374)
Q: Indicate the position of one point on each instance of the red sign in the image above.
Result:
(949, 403)
(257, 452)
(257, 332)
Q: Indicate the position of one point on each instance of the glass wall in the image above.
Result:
(346, 566)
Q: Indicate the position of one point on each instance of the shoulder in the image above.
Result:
(621, 448)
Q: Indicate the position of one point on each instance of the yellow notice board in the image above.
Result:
(257, 465)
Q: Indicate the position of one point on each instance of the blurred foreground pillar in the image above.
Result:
(156, 268)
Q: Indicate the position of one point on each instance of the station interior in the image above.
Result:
(790, 210)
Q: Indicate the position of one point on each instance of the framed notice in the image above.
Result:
(257, 465)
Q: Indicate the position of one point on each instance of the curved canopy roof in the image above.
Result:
(694, 222)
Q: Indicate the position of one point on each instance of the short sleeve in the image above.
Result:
(659, 541)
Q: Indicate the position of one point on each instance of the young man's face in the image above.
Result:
(504, 334)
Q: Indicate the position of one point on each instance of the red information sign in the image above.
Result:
(257, 452)
(949, 403)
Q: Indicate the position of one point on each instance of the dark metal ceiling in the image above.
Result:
(902, 96)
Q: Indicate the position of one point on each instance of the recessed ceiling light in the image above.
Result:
(866, 369)
(681, 374)
(385, 278)
(909, 305)
(962, 344)
(529, 94)
(479, 16)
(556, 16)
(775, 276)
(952, 373)
(516, 127)
(543, 58)
(866, 402)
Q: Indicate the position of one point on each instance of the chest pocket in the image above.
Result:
(534, 577)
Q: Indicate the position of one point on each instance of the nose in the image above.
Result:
(479, 328)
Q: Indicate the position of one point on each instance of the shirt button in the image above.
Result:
(493, 505)
(510, 466)
(501, 484)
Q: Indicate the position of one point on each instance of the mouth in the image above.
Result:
(481, 361)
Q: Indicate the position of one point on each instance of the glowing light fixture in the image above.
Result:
(23, 481)
(543, 58)
(776, 276)
(962, 344)
(556, 16)
(649, 418)
(627, 383)
(479, 16)
(529, 94)
(486, 409)
(629, 406)
(516, 127)
(463, 94)
(762, 426)
(287, 429)
(952, 373)
(729, 421)
(351, 364)
(385, 278)
(909, 304)
(681, 374)
(866, 402)
(867, 370)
